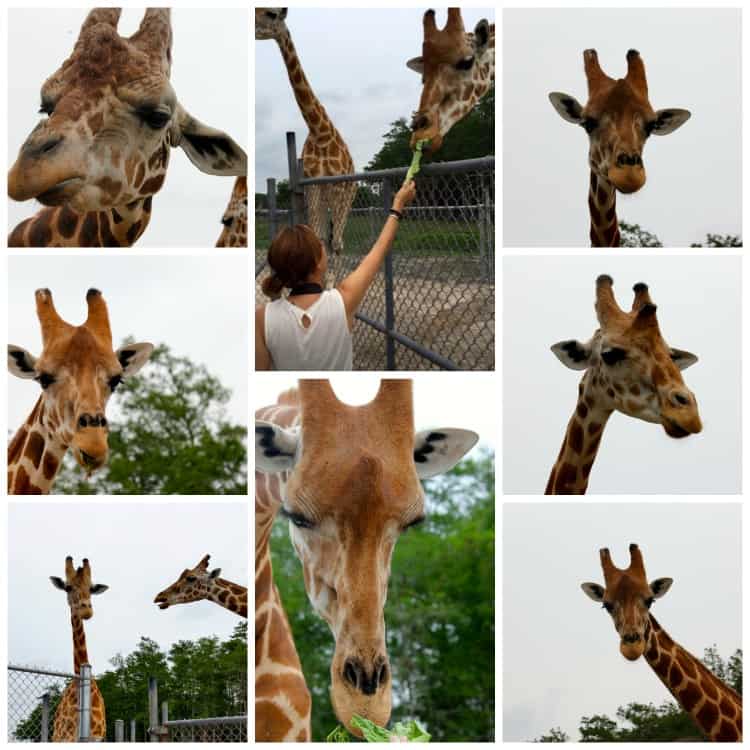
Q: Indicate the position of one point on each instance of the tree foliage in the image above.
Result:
(633, 235)
(644, 722)
(439, 616)
(171, 437)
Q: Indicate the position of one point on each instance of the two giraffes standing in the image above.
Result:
(193, 585)
(101, 153)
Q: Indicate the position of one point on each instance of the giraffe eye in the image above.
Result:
(413, 523)
(46, 107)
(613, 355)
(300, 521)
(465, 64)
(648, 602)
(191, 579)
(45, 380)
(156, 119)
(607, 606)
(590, 125)
(114, 381)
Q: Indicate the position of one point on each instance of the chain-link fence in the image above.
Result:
(223, 729)
(33, 696)
(433, 306)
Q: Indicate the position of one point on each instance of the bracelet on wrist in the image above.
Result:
(397, 214)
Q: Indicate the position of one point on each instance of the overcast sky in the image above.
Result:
(209, 76)
(137, 549)
(471, 407)
(551, 299)
(692, 59)
(355, 61)
(197, 305)
(561, 659)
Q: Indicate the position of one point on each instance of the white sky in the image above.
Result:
(694, 181)
(472, 404)
(355, 61)
(561, 659)
(550, 299)
(137, 549)
(197, 305)
(209, 75)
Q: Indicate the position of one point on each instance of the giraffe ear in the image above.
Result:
(572, 354)
(211, 150)
(667, 121)
(416, 64)
(215, 573)
(568, 107)
(275, 448)
(58, 583)
(660, 586)
(481, 35)
(438, 451)
(682, 359)
(593, 591)
(98, 588)
(20, 362)
(132, 357)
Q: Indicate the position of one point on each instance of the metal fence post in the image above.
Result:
(119, 730)
(164, 713)
(132, 730)
(153, 710)
(390, 322)
(84, 704)
(297, 203)
(272, 218)
(45, 718)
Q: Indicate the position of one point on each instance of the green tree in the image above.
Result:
(632, 235)
(29, 729)
(439, 616)
(721, 240)
(171, 437)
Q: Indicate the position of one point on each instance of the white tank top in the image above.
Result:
(326, 344)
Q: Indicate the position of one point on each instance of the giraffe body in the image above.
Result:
(234, 219)
(457, 70)
(618, 118)
(348, 480)
(199, 583)
(77, 371)
(628, 368)
(324, 154)
(715, 707)
(77, 584)
(103, 150)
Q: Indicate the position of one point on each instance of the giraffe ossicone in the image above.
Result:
(347, 478)
(102, 151)
(199, 583)
(78, 371)
(628, 368)
(79, 588)
(618, 118)
(715, 707)
(457, 69)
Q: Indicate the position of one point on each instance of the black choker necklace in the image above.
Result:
(306, 288)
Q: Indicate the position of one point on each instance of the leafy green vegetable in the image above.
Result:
(408, 731)
(339, 734)
(416, 159)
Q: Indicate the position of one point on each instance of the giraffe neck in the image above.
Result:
(570, 474)
(714, 707)
(229, 595)
(62, 227)
(35, 454)
(80, 653)
(605, 231)
(313, 112)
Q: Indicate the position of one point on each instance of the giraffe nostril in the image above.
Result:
(83, 421)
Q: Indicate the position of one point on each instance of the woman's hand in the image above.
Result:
(405, 196)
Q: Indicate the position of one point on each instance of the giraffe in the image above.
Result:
(628, 368)
(234, 220)
(457, 70)
(348, 481)
(325, 153)
(627, 595)
(618, 119)
(101, 153)
(78, 586)
(199, 583)
(77, 372)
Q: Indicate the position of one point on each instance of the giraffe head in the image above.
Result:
(192, 586)
(234, 219)
(630, 368)
(457, 70)
(353, 488)
(627, 596)
(111, 118)
(270, 23)
(77, 585)
(618, 118)
(77, 371)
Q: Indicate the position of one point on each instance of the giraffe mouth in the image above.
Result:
(60, 193)
(674, 430)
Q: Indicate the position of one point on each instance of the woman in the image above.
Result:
(311, 329)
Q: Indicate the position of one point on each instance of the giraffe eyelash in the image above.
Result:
(300, 521)
(45, 380)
